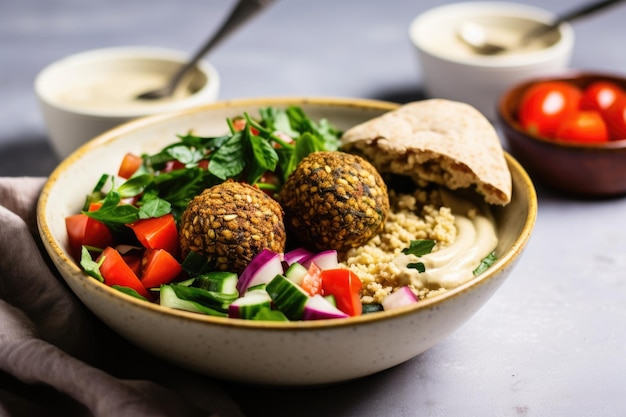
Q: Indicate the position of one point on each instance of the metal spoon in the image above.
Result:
(476, 37)
(242, 12)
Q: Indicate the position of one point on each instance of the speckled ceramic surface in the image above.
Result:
(287, 354)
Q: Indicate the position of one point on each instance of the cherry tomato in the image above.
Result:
(615, 117)
(583, 126)
(600, 95)
(544, 105)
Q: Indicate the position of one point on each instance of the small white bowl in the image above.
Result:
(452, 71)
(84, 95)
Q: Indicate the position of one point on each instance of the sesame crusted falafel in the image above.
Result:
(334, 200)
(230, 223)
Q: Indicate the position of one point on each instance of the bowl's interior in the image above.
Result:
(67, 186)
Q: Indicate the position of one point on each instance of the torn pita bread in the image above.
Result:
(436, 141)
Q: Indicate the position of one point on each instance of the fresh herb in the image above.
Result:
(419, 248)
(90, 267)
(112, 213)
(211, 299)
(275, 143)
(129, 291)
(485, 264)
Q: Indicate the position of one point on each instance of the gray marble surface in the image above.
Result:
(551, 342)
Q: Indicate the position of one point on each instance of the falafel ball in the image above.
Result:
(334, 200)
(230, 223)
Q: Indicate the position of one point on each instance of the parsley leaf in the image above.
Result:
(419, 248)
(485, 264)
(129, 291)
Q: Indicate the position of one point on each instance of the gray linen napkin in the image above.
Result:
(58, 359)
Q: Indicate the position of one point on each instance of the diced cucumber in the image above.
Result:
(296, 272)
(212, 299)
(372, 308)
(223, 282)
(186, 283)
(287, 296)
(256, 287)
(168, 298)
(249, 305)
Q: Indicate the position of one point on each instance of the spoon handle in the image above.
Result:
(244, 10)
(570, 16)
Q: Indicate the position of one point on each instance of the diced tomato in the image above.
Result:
(346, 286)
(116, 271)
(83, 230)
(312, 281)
(134, 263)
(239, 124)
(130, 164)
(158, 233)
(158, 267)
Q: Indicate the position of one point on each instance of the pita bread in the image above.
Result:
(436, 141)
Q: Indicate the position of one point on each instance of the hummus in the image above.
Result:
(464, 233)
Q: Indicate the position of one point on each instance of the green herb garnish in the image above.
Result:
(275, 143)
(419, 248)
(485, 264)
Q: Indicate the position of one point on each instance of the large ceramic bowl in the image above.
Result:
(286, 353)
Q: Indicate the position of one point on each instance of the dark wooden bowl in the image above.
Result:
(586, 170)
